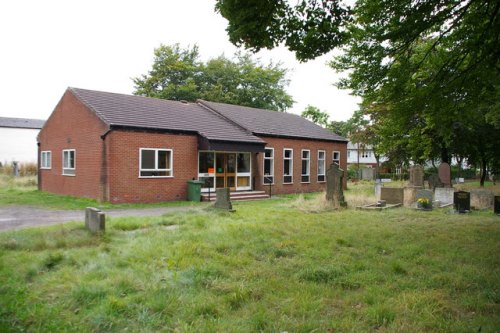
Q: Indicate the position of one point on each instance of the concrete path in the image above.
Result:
(15, 217)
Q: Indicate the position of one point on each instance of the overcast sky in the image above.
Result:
(49, 45)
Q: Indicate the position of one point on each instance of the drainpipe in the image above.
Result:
(104, 168)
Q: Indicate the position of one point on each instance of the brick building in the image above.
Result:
(123, 148)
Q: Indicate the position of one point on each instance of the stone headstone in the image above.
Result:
(416, 176)
(497, 205)
(434, 181)
(444, 172)
(334, 186)
(222, 200)
(482, 199)
(378, 189)
(95, 220)
(367, 173)
(392, 195)
(386, 180)
(461, 201)
(427, 194)
(444, 195)
(15, 168)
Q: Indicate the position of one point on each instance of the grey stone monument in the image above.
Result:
(434, 181)
(444, 195)
(223, 200)
(427, 194)
(334, 186)
(417, 176)
(95, 220)
(444, 172)
(392, 195)
(15, 168)
(482, 199)
(378, 189)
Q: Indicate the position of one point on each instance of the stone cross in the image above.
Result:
(334, 186)
(223, 199)
(95, 220)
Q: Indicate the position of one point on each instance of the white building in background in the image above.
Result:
(362, 154)
(18, 139)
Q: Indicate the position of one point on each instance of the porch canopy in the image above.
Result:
(230, 146)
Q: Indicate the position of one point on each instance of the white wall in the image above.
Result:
(18, 144)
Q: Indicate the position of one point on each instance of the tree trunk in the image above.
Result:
(483, 172)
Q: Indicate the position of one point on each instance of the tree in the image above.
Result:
(315, 115)
(178, 74)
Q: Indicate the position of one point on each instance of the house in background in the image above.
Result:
(122, 148)
(18, 139)
(362, 154)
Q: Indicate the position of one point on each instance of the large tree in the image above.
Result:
(179, 74)
(428, 71)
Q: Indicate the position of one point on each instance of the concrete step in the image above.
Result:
(235, 196)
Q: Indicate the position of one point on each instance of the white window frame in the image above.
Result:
(333, 157)
(66, 169)
(291, 165)
(323, 160)
(156, 163)
(308, 159)
(264, 166)
(46, 159)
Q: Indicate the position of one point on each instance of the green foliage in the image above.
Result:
(178, 74)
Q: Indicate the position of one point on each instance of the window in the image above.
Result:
(336, 157)
(269, 166)
(305, 166)
(321, 165)
(287, 166)
(155, 162)
(46, 160)
(69, 162)
(366, 154)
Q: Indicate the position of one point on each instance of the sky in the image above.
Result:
(47, 46)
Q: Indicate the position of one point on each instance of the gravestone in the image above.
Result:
(461, 201)
(392, 195)
(482, 199)
(367, 173)
(444, 172)
(444, 195)
(497, 205)
(95, 220)
(416, 176)
(222, 200)
(378, 188)
(434, 181)
(427, 194)
(410, 195)
(15, 168)
(334, 186)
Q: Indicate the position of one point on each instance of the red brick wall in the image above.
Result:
(123, 166)
(297, 145)
(73, 126)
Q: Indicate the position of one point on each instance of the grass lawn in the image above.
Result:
(271, 266)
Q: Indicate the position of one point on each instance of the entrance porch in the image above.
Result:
(221, 169)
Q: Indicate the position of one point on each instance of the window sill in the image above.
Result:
(154, 177)
(288, 183)
(69, 175)
(45, 168)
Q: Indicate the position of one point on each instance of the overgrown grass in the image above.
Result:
(268, 267)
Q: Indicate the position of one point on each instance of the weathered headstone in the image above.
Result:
(427, 195)
(367, 173)
(461, 201)
(334, 186)
(444, 172)
(222, 200)
(410, 195)
(15, 168)
(416, 176)
(378, 188)
(444, 195)
(392, 195)
(497, 205)
(434, 181)
(482, 199)
(95, 220)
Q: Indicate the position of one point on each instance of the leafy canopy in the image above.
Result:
(179, 74)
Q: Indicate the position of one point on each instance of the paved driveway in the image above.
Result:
(15, 217)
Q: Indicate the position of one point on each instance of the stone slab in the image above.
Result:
(222, 200)
(416, 176)
(95, 220)
(482, 199)
(410, 197)
(378, 189)
(392, 195)
(444, 195)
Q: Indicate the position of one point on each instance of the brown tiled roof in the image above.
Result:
(272, 123)
(159, 114)
(21, 123)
